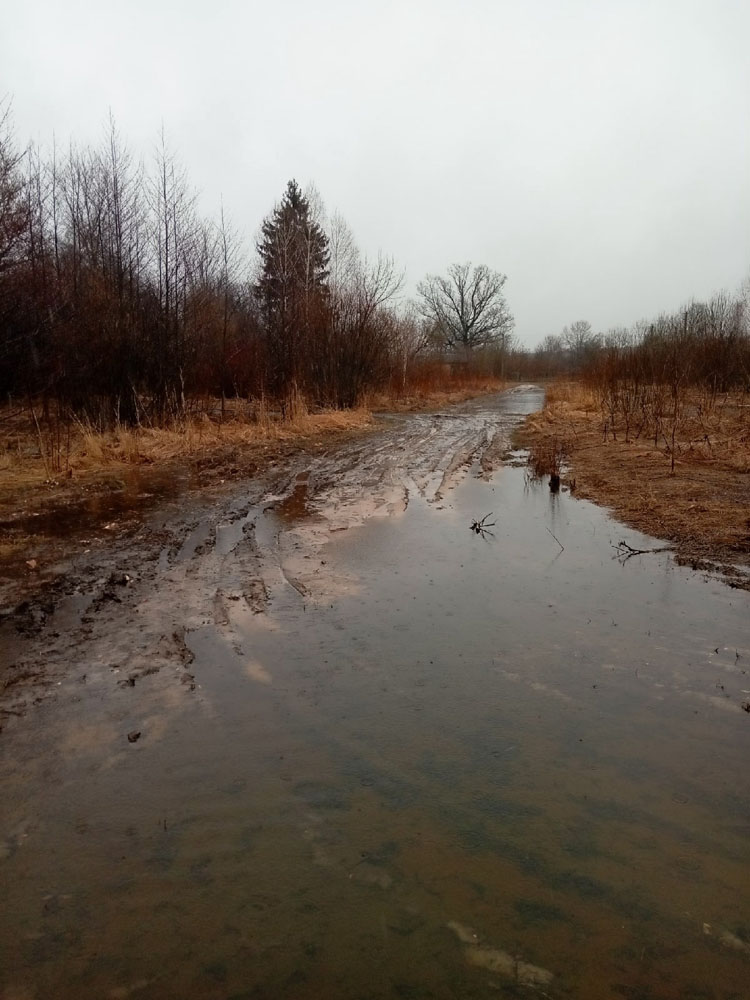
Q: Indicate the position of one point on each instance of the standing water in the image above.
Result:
(419, 761)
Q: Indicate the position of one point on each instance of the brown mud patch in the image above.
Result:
(702, 508)
(48, 477)
(95, 486)
(86, 559)
(107, 486)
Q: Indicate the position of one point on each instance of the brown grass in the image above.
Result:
(433, 393)
(44, 460)
(28, 461)
(703, 507)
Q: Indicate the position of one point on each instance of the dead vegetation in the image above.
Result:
(42, 469)
(547, 458)
(675, 469)
(35, 452)
(481, 526)
(432, 387)
(58, 455)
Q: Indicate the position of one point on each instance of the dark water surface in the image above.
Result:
(482, 766)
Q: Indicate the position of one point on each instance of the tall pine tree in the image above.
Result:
(292, 289)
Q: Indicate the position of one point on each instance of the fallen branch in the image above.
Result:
(562, 547)
(625, 551)
(482, 526)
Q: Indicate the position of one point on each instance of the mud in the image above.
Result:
(154, 531)
(378, 754)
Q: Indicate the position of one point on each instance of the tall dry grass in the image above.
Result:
(27, 456)
(707, 429)
(433, 386)
(35, 450)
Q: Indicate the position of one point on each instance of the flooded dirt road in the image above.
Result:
(326, 741)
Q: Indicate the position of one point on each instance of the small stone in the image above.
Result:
(134, 736)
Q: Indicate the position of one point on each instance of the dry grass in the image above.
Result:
(46, 463)
(703, 507)
(434, 393)
(25, 459)
(548, 457)
(715, 432)
(34, 451)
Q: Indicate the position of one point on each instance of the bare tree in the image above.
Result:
(353, 350)
(467, 307)
(12, 205)
(410, 339)
(580, 341)
(345, 260)
(175, 239)
(230, 266)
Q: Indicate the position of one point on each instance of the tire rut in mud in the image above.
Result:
(217, 562)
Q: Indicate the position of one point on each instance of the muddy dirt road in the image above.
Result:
(315, 737)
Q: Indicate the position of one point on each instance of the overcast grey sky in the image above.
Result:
(598, 153)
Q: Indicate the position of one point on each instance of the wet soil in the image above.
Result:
(311, 736)
(45, 525)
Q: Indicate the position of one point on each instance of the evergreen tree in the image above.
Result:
(293, 287)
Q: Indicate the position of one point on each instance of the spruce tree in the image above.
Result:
(292, 288)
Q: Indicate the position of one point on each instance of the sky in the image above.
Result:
(597, 153)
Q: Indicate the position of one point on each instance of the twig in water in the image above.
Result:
(562, 547)
(481, 527)
(625, 551)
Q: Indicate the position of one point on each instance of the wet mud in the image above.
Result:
(379, 754)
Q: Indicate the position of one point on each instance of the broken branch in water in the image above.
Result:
(481, 527)
(562, 547)
(482, 524)
(625, 551)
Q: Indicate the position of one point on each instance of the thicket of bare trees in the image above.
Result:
(659, 378)
(703, 345)
(650, 379)
(120, 303)
(117, 301)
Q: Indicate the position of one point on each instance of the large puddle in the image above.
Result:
(457, 765)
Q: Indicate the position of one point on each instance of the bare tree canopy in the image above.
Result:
(580, 340)
(467, 307)
(13, 218)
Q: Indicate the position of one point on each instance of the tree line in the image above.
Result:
(703, 345)
(653, 380)
(119, 302)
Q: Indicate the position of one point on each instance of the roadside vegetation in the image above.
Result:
(655, 423)
(134, 330)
